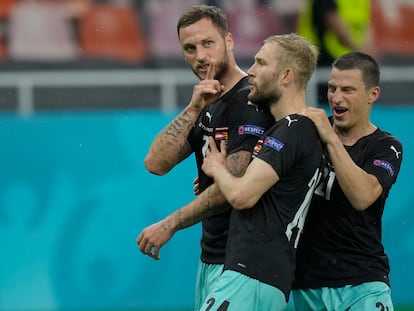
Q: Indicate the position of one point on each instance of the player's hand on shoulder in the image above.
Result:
(321, 121)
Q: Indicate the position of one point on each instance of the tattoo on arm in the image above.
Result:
(238, 162)
(211, 201)
(172, 145)
(179, 125)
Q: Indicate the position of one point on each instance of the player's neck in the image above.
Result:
(349, 136)
(289, 103)
(232, 77)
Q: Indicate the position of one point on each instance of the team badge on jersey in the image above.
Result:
(258, 147)
(250, 130)
(385, 165)
(273, 143)
(222, 133)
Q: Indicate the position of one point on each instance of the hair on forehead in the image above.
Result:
(366, 63)
(198, 12)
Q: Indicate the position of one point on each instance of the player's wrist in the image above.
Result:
(194, 108)
(171, 224)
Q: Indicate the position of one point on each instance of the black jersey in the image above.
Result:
(240, 123)
(262, 240)
(340, 245)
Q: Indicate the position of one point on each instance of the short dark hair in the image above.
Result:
(198, 12)
(366, 63)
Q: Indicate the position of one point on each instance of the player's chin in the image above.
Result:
(252, 95)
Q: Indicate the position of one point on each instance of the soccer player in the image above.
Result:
(270, 201)
(341, 263)
(219, 109)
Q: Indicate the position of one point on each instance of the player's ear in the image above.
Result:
(228, 39)
(374, 94)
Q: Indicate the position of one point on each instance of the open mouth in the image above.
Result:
(203, 68)
(339, 111)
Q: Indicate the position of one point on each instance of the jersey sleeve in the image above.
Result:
(247, 123)
(385, 161)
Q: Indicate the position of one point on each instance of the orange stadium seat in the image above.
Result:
(405, 32)
(6, 6)
(393, 36)
(3, 52)
(112, 32)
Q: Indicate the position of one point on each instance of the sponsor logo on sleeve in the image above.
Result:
(250, 130)
(385, 165)
(273, 143)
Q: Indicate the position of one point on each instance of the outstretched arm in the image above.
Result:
(209, 202)
(170, 146)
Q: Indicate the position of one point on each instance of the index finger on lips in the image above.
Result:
(211, 71)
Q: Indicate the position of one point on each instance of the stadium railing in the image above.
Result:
(167, 86)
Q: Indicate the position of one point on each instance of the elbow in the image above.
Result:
(240, 202)
(359, 207)
(364, 201)
(153, 167)
(362, 204)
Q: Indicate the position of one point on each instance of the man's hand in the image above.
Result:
(215, 160)
(207, 91)
(152, 238)
(321, 121)
(196, 188)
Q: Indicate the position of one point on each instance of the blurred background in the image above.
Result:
(84, 88)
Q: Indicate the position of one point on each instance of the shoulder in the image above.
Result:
(386, 137)
(297, 122)
(378, 141)
(295, 128)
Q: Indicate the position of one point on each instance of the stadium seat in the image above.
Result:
(250, 27)
(393, 36)
(3, 52)
(6, 6)
(163, 39)
(41, 31)
(405, 32)
(112, 32)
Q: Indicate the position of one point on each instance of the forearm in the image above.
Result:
(361, 188)
(229, 187)
(171, 146)
(208, 203)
